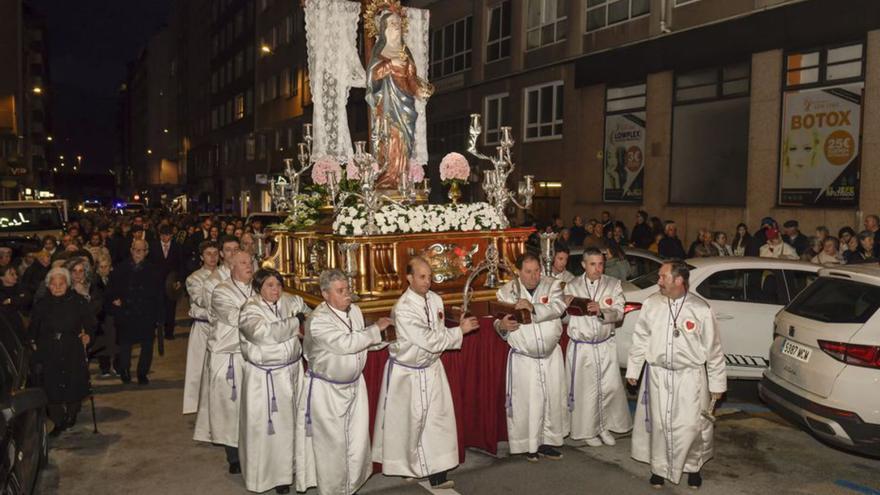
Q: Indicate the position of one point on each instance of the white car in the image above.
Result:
(825, 360)
(745, 293)
(641, 261)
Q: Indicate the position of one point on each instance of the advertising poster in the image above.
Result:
(624, 157)
(820, 151)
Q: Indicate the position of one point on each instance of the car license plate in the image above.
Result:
(796, 351)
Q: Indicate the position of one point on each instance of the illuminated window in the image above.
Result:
(239, 106)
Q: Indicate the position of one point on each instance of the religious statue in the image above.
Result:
(392, 90)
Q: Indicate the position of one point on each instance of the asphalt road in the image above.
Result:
(145, 447)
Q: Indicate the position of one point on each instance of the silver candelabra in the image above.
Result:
(349, 251)
(548, 251)
(495, 179)
(285, 191)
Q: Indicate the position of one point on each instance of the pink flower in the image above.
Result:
(353, 173)
(324, 166)
(454, 166)
(416, 171)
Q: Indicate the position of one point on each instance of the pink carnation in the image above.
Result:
(322, 167)
(416, 171)
(454, 166)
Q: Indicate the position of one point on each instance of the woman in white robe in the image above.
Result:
(269, 331)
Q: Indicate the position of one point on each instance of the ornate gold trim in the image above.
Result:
(376, 7)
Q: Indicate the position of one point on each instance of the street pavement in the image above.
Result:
(145, 446)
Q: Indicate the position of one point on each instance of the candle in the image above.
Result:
(307, 131)
(475, 122)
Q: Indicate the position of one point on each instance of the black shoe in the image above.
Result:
(125, 377)
(657, 481)
(282, 489)
(439, 481)
(532, 457)
(695, 480)
(235, 468)
(549, 452)
(143, 380)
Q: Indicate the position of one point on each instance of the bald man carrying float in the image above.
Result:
(415, 433)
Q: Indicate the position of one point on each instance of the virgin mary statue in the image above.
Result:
(392, 90)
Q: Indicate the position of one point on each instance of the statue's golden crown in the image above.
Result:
(373, 11)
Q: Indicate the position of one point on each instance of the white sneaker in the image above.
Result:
(607, 438)
(594, 442)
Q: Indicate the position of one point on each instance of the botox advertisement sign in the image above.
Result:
(820, 150)
(624, 157)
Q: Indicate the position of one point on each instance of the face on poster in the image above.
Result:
(624, 157)
(819, 162)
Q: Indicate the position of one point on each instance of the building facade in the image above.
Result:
(709, 112)
(25, 96)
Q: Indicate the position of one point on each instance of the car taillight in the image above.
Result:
(631, 306)
(854, 354)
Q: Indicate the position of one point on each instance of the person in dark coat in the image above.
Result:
(36, 273)
(670, 246)
(14, 299)
(104, 346)
(61, 326)
(642, 235)
(136, 294)
(167, 256)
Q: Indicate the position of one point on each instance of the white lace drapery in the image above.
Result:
(417, 42)
(334, 68)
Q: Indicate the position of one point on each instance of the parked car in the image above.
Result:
(22, 417)
(825, 359)
(746, 294)
(641, 261)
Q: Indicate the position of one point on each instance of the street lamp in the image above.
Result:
(265, 49)
(38, 90)
(49, 138)
(149, 152)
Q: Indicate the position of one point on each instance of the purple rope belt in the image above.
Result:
(574, 365)
(646, 397)
(391, 363)
(508, 401)
(312, 376)
(271, 403)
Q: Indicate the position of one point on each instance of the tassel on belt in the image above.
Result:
(312, 376)
(271, 403)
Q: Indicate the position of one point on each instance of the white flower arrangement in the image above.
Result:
(395, 219)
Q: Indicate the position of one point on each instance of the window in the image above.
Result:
(495, 115)
(214, 82)
(249, 102)
(498, 44)
(832, 300)
(239, 64)
(239, 23)
(752, 286)
(603, 13)
(272, 88)
(798, 280)
(288, 29)
(239, 106)
(451, 48)
(249, 57)
(546, 23)
(229, 111)
(544, 106)
(710, 140)
(285, 83)
(214, 122)
(261, 92)
(294, 81)
(834, 64)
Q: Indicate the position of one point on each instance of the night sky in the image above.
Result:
(90, 43)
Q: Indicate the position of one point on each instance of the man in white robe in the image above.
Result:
(677, 339)
(197, 343)
(559, 269)
(596, 397)
(415, 433)
(269, 331)
(225, 364)
(228, 247)
(333, 419)
(536, 387)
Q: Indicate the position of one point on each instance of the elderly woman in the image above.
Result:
(14, 299)
(61, 326)
(269, 326)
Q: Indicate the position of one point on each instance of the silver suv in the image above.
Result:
(825, 359)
